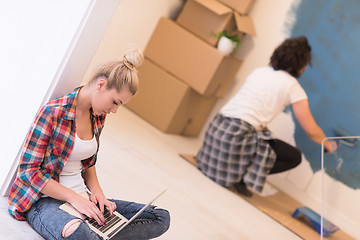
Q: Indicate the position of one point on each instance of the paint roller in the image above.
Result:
(347, 140)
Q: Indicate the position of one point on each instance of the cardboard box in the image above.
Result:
(168, 103)
(243, 24)
(241, 6)
(205, 18)
(190, 59)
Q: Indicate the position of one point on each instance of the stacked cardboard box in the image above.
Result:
(168, 103)
(205, 18)
(190, 59)
(184, 74)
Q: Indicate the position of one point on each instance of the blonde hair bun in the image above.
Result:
(133, 58)
(120, 73)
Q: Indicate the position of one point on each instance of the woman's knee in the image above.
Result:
(164, 217)
(78, 229)
(70, 227)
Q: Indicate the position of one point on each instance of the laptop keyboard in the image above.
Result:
(110, 220)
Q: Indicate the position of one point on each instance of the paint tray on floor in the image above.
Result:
(315, 220)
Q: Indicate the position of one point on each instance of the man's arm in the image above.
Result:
(306, 120)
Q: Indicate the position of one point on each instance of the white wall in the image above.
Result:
(45, 47)
(132, 26)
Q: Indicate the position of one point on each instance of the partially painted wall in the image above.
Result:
(332, 85)
(333, 82)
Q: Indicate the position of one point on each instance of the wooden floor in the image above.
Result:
(280, 207)
(136, 161)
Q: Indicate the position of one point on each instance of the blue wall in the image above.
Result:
(333, 81)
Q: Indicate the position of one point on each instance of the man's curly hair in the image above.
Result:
(292, 55)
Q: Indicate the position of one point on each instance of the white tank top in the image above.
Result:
(70, 176)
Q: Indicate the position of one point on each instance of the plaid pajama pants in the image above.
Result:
(233, 150)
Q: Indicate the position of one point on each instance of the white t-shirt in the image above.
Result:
(265, 93)
(70, 176)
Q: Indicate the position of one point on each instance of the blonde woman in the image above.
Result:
(58, 161)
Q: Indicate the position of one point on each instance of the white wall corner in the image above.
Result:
(73, 63)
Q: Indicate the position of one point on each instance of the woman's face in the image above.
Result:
(107, 101)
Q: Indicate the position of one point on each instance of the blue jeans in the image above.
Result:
(46, 218)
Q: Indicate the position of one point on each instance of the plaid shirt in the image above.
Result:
(48, 145)
(233, 150)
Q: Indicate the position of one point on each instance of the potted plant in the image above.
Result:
(228, 43)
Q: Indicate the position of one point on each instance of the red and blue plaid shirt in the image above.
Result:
(48, 145)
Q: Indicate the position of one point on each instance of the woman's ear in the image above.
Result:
(101, 83)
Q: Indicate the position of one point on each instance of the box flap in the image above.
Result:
(244, 24)
(215, 6)
(241, 6)
(203, 22)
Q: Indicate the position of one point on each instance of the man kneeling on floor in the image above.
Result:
(238, 149)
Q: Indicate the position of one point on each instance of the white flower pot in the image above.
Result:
(225, 45)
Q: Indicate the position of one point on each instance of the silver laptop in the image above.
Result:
(114, 223)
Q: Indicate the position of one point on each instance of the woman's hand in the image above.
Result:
(83, 205)
(87, 208)
(99, 198)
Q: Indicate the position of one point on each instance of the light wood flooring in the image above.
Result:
(136, 161)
